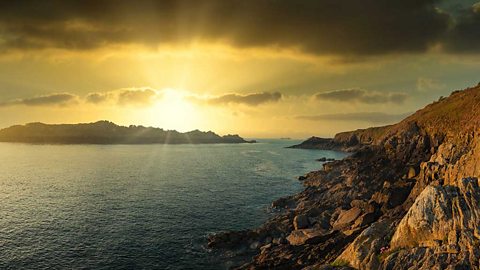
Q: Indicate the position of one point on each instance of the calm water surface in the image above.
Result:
(137, 206)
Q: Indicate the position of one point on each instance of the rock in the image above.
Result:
(328, 166)
(279, 241)
(305, 236)
(366, 219)
(440, 213)
(363, 252)
(443, 220)
(228, 239)
(398, 195)
(324, 159)
(254, 245)
(411, 173)
(364, 205)
(393, 195)
(347, 217)
(300, 222)
(265, 248)
(283, 203)
(359, 204)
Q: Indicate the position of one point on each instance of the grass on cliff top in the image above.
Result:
(457, 114)
(459, 111)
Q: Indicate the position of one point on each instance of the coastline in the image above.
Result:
(407, 195)
(294, 222)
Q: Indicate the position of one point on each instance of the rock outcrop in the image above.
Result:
(407, 198)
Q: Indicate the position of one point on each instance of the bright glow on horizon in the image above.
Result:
(174, 111)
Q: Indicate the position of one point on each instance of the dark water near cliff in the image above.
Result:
(136, 206)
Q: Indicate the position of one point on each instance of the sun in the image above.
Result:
(175, 111)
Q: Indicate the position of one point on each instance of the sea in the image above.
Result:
(138, 206)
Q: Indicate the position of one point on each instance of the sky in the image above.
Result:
(259, 68)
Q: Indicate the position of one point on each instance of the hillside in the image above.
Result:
(104, 132)
(407, 198)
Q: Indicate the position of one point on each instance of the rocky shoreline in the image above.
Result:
(407, 198)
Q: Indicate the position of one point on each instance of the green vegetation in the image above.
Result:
(340, 262)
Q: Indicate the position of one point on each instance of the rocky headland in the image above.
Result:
(105, 132)
(407, 197)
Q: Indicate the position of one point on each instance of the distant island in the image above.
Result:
(105, 132)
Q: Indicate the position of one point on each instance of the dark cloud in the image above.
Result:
(348, 27)
(465, 36)
(134, 96)
(362, 96)
(137, 97)
(254, 99)
(97, 98)
(370, 117)
(131, 96)
(60, 99)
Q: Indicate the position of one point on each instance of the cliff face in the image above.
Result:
(408, 198)
(104, 132)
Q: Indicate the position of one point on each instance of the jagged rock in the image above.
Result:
(427, 259)
(300, 222)
(393, 196)
(305, 236)
(366, 219)
(363, 252)
(447, 214)
(443, 220)
(347, 218)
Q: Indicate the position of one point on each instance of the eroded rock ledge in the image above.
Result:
(408, 198)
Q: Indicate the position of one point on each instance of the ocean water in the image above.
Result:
(137, 206)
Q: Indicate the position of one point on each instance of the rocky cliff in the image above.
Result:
(407, 198)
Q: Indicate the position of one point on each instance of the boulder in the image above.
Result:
(346, 218)
(365, 206)
(440, 229)
(306, 236)
(363, 252)
(300, 222)
(366, 219)
(441, 213)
